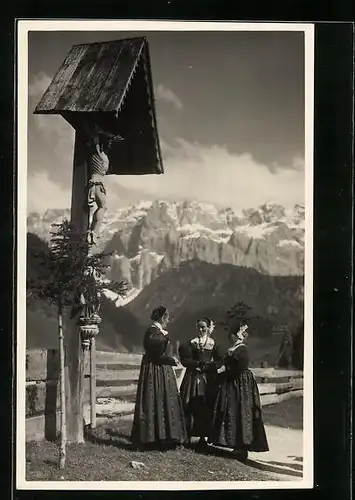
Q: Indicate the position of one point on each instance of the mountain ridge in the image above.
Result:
(195, 258)
(151, 237)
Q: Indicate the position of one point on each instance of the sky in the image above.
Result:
(230, 112)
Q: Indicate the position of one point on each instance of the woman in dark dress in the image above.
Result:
(237, 415)
(201, 357)
(158, 416)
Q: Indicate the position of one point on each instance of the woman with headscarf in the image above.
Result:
(158, 416)
(237, 415)
(201, 357)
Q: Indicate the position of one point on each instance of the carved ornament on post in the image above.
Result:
(90, 303)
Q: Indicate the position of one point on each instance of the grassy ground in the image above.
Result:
(107, 457)
(107, 453)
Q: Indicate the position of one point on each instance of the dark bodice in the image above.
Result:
(205, 358)
(237, 361)
(156, 347)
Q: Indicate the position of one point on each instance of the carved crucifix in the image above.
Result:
(99, 144)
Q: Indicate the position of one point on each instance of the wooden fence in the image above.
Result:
(116, 382)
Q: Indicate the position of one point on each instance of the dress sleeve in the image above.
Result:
(217, 356)
(241, 358)
(185, 355)
(215, 362)
(155, 346)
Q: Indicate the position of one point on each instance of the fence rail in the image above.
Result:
(116, 379)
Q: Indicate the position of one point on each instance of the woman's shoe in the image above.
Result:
(202, 444)
(241, 455)
(187, 443)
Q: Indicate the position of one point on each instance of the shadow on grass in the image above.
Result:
(50, 462)
(112, 437)
(109, 437)
(273, 467)
(296, 467)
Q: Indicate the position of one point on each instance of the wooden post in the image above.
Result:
(51, 394)
(93, 382)
(63, 422)
(74, 352)
(93, 83)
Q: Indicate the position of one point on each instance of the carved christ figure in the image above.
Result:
(99, 143)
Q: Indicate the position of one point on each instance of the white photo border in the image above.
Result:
(23, 27)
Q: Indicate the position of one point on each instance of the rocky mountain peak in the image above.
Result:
(151, 237)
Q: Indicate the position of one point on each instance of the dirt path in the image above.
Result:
(285, 456)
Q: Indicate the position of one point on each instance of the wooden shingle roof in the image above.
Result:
(110, 84)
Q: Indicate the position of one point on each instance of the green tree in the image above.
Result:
(70, 277)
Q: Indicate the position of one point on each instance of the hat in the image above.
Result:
(242, 332)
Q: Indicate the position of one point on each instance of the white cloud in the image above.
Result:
(46, 124)
(50, 145)
(298, 163)
(211, 173)
(192, 170)
(167, 95)
(54, 124)
(43, 194)
(38, 84)
(202, 172)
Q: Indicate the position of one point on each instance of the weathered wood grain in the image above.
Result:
(124, 358)
(272, 373)
(42, 364)
(93, 77)
(92, 382)
(45, 396)
(116, 89)
(74, 362)
(270, 399)
(119, 375)
(60, 82)
(37, 366)
(280, 388)
(104, 375)
(116, 392)
(109, 84)
(92, 73)
(113, 366)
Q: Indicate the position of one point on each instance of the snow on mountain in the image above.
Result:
(151, 237)
(195, 230)
(256, 232)
(289, 243)
(122, 301)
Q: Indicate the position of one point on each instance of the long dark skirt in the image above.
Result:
(158, 415)
(237, 415)
(196, 396)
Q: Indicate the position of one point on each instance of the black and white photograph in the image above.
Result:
(165, 219)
